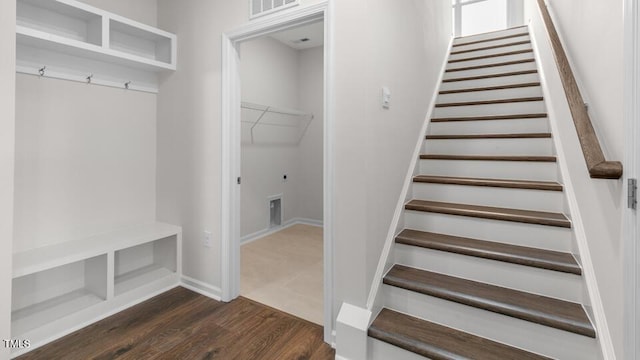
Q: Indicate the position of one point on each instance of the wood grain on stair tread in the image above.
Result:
(514, 62)
(559, 314)
(491, 102)
(517, 52)
(489, 136)
(490, 39)
(521, 255)
(489, 76)
(504, 183)
(490, 212)
(491, 117)
(488, 157)
(439, 342)
(490, 88)
(492, 47)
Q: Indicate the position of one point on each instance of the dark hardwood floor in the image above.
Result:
(181, 324)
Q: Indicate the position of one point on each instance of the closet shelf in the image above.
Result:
(140, 277)
(270, 125)
(47, 257)
(42, 40)
(67, 38)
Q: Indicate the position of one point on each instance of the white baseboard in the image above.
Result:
(201, 288)
(289, 223)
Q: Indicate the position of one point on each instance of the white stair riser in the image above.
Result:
(524, 278)
(514, 170)
(491, 35)
(527, 107)
(496, 81)
(529, 91)
(534, 146)
(515, 332)
(488, 52)
(491, 43)
(380, 350)
(511, 126)
(490, 70)
(508, 232)
(538, 200)
(492, 60)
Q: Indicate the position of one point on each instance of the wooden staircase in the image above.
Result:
(484, 267)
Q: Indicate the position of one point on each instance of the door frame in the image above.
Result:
(231, 147)
(631, 218)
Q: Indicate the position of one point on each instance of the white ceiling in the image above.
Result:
(314, 32)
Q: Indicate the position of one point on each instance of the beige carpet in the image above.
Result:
(284, 271)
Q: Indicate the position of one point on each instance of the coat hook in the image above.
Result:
(126, 85)
(89, 78)
(41, 71)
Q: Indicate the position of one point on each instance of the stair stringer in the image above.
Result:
(386, 261)
(558, 108)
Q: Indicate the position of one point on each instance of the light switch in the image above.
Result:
(386, 97)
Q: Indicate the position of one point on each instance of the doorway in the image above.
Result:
(231, 146)
(281, 208)
(479, 16)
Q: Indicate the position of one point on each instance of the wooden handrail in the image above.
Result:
(598, 166)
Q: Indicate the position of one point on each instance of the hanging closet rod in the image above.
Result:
(258, 107)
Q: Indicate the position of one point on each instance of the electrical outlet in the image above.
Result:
(206, 241)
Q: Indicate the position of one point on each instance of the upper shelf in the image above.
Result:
(49, 32)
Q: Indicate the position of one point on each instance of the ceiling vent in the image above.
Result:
(264, 7)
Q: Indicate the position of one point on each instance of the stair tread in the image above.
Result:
(490, 212)
(517, 52)
(491, 117)
(488, 157)
(489, 76)
(490, 88)
(492, 32)
(439, 342)
(491, 39)
(506, 183)
(521, 255)
(490, 136)
(538, 309)
(506, 63)
(492, 47)
(491, 102)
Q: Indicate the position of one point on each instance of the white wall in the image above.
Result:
(378, 43)
(310, 151)
(589, 29)
(85, 160)
(85, 155)
(270, 78)
(274, 74)
(144, 11)
(189, 153)
(7, 126)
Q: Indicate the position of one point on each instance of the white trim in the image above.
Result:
(200, 287)
(632, 168)
(230, 140)
(352, 325)
(408, 181)
(588, 272)
(287, 224)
